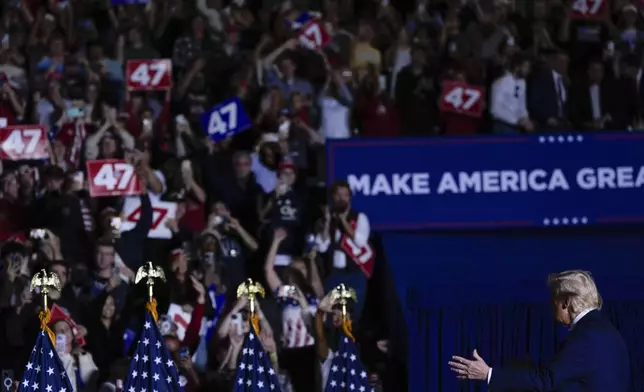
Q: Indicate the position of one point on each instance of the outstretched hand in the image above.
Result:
(475, 369)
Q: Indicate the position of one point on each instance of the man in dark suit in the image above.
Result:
(590, 100)
(548, 94)
(593, 357)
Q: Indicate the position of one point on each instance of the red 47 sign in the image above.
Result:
(587, 9)
(112, 177)
(314, 36)
(461, 98)
(149, 74)
(23, 142)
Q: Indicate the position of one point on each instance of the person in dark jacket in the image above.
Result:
(105, 342)
(593, 358)
(129, 245)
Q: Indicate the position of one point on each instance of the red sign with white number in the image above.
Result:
(461, 98)
(149, 74)
(23, 142)
(112, 177)
(588, 9)
(314, 36)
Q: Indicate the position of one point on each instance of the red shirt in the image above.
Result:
(194, 219)
(12, 218)
(455, 124)
(378, 118)
(6, 111)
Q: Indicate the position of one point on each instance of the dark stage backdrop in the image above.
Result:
(486, 290)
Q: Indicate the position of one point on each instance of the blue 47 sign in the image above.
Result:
(225, 120)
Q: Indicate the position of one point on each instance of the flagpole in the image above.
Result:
(251, 290)
(343, 295)
(41, 283)
(150, 273)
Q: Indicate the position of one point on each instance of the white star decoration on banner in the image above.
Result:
(565, 221)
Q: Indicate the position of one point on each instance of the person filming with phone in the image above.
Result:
(345, 240)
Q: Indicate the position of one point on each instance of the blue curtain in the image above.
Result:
(504, 335)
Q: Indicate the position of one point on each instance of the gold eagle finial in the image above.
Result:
(341, 295)
(44, 281)
(251, 290)
(151, 272)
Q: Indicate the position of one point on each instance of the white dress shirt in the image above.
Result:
(361, 238)
(574, 322)
(595, 101)
(560, 87)
(508, 98)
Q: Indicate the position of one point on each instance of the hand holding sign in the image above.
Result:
(23, 142)
(461, 98)
(163, 212)
(112, 177)
(225, 120)
(149, 74)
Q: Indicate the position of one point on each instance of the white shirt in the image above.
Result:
(508, 98)
(265, 177)
(361, 238)
(335, 119)
(574, 322)
(595, 101)
(212, 16)
(560, 87)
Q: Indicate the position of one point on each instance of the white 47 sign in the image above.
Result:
(114, 176)
(149, 74)
(463, 98)
(23, 142)
(587, 8)
(223, 120)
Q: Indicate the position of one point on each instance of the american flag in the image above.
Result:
(44, 371)
(255, 373)
(347, 372)
(152, 369)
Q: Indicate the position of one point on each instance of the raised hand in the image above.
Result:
(475, 369)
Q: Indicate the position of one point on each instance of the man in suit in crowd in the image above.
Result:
(548, 94)
(593, 357)
(591, 98)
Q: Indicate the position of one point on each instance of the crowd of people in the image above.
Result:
(255, 204)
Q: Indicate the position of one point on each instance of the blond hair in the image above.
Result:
(578, 287)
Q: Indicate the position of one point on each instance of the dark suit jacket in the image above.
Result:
(543, 101)
(581, 107)
(593, 358)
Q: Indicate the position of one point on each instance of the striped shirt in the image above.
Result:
(295, 332)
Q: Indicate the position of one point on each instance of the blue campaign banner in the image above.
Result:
(225, 120)
(496, 181)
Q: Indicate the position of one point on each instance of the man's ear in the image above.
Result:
(565, 304)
